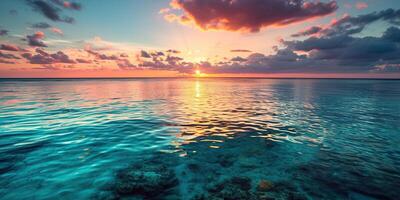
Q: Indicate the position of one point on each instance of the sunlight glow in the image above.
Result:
(198, 73)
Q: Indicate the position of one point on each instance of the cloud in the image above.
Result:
(42, 57)
(2, 61)
(9, 47)
(125, 64)
(49, 11)
(3, 32)
(35, 40)
(80, 60)
(44, 25)
(240, 51)
(57, 31)
(99, 44)
(102, 56)
(348, 25)
(346, 53)
(8, 56)
(392, 34)
(361, 5)
(41, 25)
(238, 59)
(309, 31)
(332, 48)
(248, 15)
(144, 54)
(61, 57)
(387, 68)
(68, 4)
(173, 51)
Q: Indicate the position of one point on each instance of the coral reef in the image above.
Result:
(147, 179)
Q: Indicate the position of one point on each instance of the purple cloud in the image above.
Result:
(2, 61)
(8, 56)
(43, 57)
(240, 51)
(9, 47)
(250, 16)
(41, 25)
(144, 54)
(3, 32)
(102, 56)
(35, 40)
(310, 31)
(125, 64)
(80, 60)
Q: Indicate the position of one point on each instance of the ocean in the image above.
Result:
(204, 138)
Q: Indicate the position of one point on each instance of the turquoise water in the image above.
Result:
(199, 139)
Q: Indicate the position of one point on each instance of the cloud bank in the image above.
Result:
(247, 15)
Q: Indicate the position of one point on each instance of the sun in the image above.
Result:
(198, 73)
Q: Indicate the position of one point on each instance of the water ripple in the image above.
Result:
(320, 139)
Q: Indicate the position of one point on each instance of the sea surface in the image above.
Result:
(200, 138)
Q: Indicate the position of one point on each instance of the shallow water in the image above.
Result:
(304, 139)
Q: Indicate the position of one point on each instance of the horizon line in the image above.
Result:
(233, 77)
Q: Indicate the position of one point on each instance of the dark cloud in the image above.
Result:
(392, 34)
(9, 47)
(157, 53)
(240, 51)
(41, 25)
(173, 51)
(3, 32)
(316, 43)
(238, 59)
(349, 25)
(35, 40)
(250, 15)
(102, 56)
(67, 4)
(42, 57)
(8, 56)
(123, 55)
(61, 57)
(125, 64)
(327, 54)
(121, 60)
(49, 11)
(173, 59)
(158, 60)
(80, 60)
(310, 31)
(144, 54)
(336, 48)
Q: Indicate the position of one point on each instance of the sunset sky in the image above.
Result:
(159, 38)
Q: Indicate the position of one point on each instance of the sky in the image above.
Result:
(205, 38)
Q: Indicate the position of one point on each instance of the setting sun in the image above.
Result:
(198, 73)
